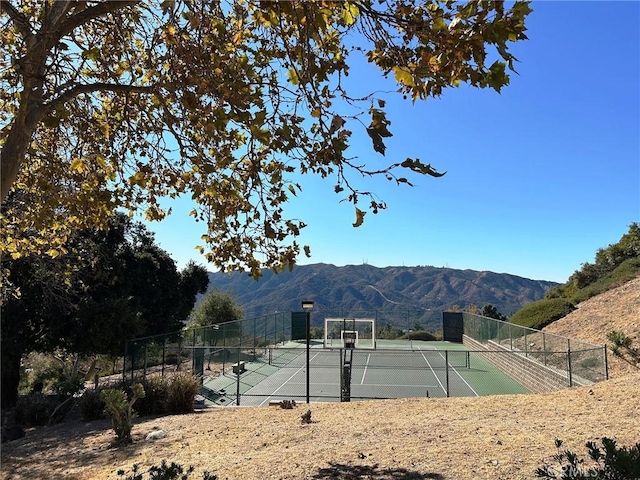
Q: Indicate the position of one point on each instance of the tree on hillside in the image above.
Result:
(117, 104)
(607, 259)
(214, 308)
(492, 312)
(122, 286)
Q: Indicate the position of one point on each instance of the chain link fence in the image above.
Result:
(190, 349)
(579, 362)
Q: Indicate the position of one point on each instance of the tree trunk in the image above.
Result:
(10, 376)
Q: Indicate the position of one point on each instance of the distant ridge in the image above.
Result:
(397, 295)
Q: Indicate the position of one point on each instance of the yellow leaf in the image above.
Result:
(403, 76)
(359, 217)
(293, 76)
(52, 253)
(77, 165)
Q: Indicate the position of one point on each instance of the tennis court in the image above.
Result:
(416, 369)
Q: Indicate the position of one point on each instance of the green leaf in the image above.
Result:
(439, 24)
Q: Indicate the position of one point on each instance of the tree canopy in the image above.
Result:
(121, 286)
(214, 308)
(110, 105)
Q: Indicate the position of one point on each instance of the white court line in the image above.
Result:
(287, 381)
(434, 374)
(365, 369)
(458, 373)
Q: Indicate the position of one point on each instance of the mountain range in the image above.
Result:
(400, 296)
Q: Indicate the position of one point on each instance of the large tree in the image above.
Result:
(107, 104)
(113, 285)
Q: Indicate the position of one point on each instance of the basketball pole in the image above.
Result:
(307, 305)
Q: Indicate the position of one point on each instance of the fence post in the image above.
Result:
(510, 338)
(606, 362)
(526, 354)
(544, 348)
(238, 380)
(446, 368)
(144, 368)
(569, 362)
(164, 348)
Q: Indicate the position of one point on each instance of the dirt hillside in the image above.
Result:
(618, 309)
(495, 437)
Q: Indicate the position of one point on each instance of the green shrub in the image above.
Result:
(173, 471)
(91, 405)
(542, 312)
(589, 363)
(34, 409)
(622, 346)
(183, 389)
(612, 463)
(119, 409)
(68, 386)
(155, 400)
(419, 335)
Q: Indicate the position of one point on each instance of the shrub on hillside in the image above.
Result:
(155, 400)
(181, 394)
(34, 409)
(119, 409)
(612, 463)
(543, 312)
(91, 405)
(164, 471)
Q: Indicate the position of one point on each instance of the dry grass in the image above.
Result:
(495, 437)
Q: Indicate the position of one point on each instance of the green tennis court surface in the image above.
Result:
(396, 369)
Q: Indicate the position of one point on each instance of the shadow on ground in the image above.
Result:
(340, 471)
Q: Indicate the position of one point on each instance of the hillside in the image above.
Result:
(617, 309)
(400, 295)
(505, 437)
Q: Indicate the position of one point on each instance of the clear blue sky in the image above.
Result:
(538, 177)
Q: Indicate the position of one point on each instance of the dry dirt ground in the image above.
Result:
(495, 437)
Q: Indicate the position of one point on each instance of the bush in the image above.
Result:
(181, 394)
(419, 335)
(173, 471)
(542, 312)
(68, 386)
(91, 405)
(622, 346)
(155, 400)
(34, 409)
(118, 407)
(612, 463)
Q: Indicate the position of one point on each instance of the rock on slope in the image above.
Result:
(617, 309)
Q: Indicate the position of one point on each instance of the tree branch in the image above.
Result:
(19, 20)
(92, 13)
(95, 87)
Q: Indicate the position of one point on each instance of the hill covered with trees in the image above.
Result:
(613, 266)
(400, 296)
